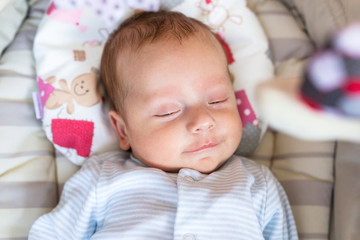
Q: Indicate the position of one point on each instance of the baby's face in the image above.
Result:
(181, 110)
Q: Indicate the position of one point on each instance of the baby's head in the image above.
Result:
(169, 82)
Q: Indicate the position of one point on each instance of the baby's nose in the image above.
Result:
(200, 120)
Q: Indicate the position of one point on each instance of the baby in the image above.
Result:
(176, 113)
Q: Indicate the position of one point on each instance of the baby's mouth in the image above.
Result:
(203, 147)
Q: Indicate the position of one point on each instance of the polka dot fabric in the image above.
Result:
(110, 11)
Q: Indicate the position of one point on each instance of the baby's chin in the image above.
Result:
(204, 166)
(207, 166)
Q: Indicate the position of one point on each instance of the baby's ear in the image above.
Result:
(120, 128)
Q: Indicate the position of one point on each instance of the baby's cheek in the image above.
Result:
(234, 127)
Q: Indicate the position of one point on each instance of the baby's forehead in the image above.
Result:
(158, 58)
(150, 52)
(132, 61)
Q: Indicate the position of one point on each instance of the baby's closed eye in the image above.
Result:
(167, 110)
(221, 100)
(218, 102)
(167, 113)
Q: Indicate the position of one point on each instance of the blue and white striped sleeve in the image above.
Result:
(279, 222)
(75, 215)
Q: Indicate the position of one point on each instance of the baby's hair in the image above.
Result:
(134, 33)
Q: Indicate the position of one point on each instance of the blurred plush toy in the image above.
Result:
(332, 76)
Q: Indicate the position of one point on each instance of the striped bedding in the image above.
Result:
(27, 168)
(32, 173)
(305, 170)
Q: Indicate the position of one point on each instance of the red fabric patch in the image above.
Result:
(73, 134)
(227, 49)
(51, 8)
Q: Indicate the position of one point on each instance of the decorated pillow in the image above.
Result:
(68, 47)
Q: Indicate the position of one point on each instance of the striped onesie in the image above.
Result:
(114, 196)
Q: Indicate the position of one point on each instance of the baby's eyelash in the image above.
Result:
(164, 115)
(218, 101)
(167, 114)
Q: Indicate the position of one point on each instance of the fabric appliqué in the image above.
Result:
(45, 89)
(74, 134)
(70, 16)
(83, 90)
(217, 15)
(79, 55)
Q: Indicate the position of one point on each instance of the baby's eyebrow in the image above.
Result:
(152, 101)
(158, 94)
(157, 103)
